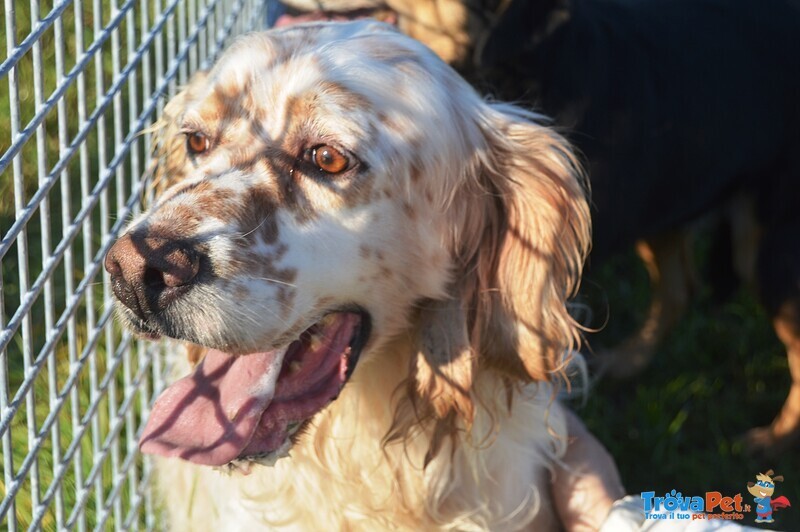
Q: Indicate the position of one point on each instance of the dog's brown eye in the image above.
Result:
(196, 143)
(329, 159)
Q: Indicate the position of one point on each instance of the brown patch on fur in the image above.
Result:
(245, 162)
(259, 215)
(290, 192)
(228, 102)
(324, 303)
(384, 272)
(364, 251)
(198, 187)
(359, 192)
(175, 227)
(416, 173)
(219, 204)
(343, 96)
(297, 108)
(184, 219)
(397, 128)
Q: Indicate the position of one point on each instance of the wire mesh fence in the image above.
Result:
(81, 81)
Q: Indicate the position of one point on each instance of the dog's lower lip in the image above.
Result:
(142, 329)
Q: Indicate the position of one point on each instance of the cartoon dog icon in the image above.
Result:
(762, 490)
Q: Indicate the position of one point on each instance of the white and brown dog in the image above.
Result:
(376, 263)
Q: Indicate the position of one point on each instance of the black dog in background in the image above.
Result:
(681, 107)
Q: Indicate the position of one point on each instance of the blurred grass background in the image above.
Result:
(676, 426)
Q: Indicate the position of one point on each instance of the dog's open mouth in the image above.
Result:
(246, 408)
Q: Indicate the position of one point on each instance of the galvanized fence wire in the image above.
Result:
(83, 84)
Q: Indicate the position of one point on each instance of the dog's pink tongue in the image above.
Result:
(209, 416)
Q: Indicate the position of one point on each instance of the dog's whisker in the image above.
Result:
(276, 281)
(256, 228)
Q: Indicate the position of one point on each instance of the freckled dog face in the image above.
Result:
(301, 186)
(333, 187)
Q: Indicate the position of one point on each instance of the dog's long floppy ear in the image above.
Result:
(523, 232)
(168, 162)
(533, 246)
(534, 240)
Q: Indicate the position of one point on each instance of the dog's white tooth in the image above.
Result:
(327, 320)
(315, 342)
(317, 338)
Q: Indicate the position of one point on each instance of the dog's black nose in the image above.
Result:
(149, 271)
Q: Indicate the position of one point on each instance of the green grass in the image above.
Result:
(678, 424)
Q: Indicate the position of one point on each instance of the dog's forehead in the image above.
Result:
(362, 58)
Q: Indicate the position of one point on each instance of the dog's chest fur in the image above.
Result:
(340, 477)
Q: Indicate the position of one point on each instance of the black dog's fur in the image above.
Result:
(687, 99)
(678, 106)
